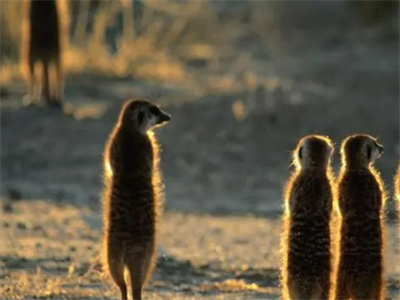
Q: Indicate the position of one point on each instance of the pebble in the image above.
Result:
(21, 226)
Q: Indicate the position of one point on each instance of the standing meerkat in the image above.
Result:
(44, 37)
(306, 241)
(132, 195)
(361, 200)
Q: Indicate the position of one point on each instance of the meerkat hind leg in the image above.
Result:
(137, 279)
(299, 290)
(33, 95)
(56, 84)
(321, 290)
(46, 87)
(369, 288)
(116, 268)
(341, 290)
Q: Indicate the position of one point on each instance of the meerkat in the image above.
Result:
(132, 195)
(44, 37)
(306, 243)
(361, 199)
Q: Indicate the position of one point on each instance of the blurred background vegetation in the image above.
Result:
(159, 39)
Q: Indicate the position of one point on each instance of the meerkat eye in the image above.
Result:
(140, 117)
(369, 151)
(154, 111)
(301, 153)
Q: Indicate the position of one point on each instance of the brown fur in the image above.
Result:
(132, 199)
(306, 243)
(361, 199)
(44, 37)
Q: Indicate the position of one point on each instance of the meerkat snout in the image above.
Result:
(379, 150)
(373, 149)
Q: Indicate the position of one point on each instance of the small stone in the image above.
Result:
(7, 207)
(37, 228)
(21, 226)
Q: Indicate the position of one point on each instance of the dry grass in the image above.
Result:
(171, 35)
(145, 56)
(155, 40)
(231, 285)
(43, 285)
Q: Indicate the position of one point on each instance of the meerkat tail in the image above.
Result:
(139, 265)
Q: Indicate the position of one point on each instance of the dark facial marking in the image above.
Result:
(369, 151)
(301, 152)
(140, 117)
(154, 110)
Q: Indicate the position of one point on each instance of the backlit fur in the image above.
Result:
(132, 197)
(361, 200)
(306, 243)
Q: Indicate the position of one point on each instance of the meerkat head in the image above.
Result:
(360, 151)
(313, 152)
(141, 116)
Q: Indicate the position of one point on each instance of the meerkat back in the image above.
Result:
(306, 244)
(361, 200)
(132, 196)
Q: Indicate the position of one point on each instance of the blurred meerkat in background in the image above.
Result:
(306, 242)
(361, 199)
(132, 195)
(44, 39)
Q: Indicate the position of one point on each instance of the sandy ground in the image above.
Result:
(220, 231)
(50, 251)
(225, 160)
